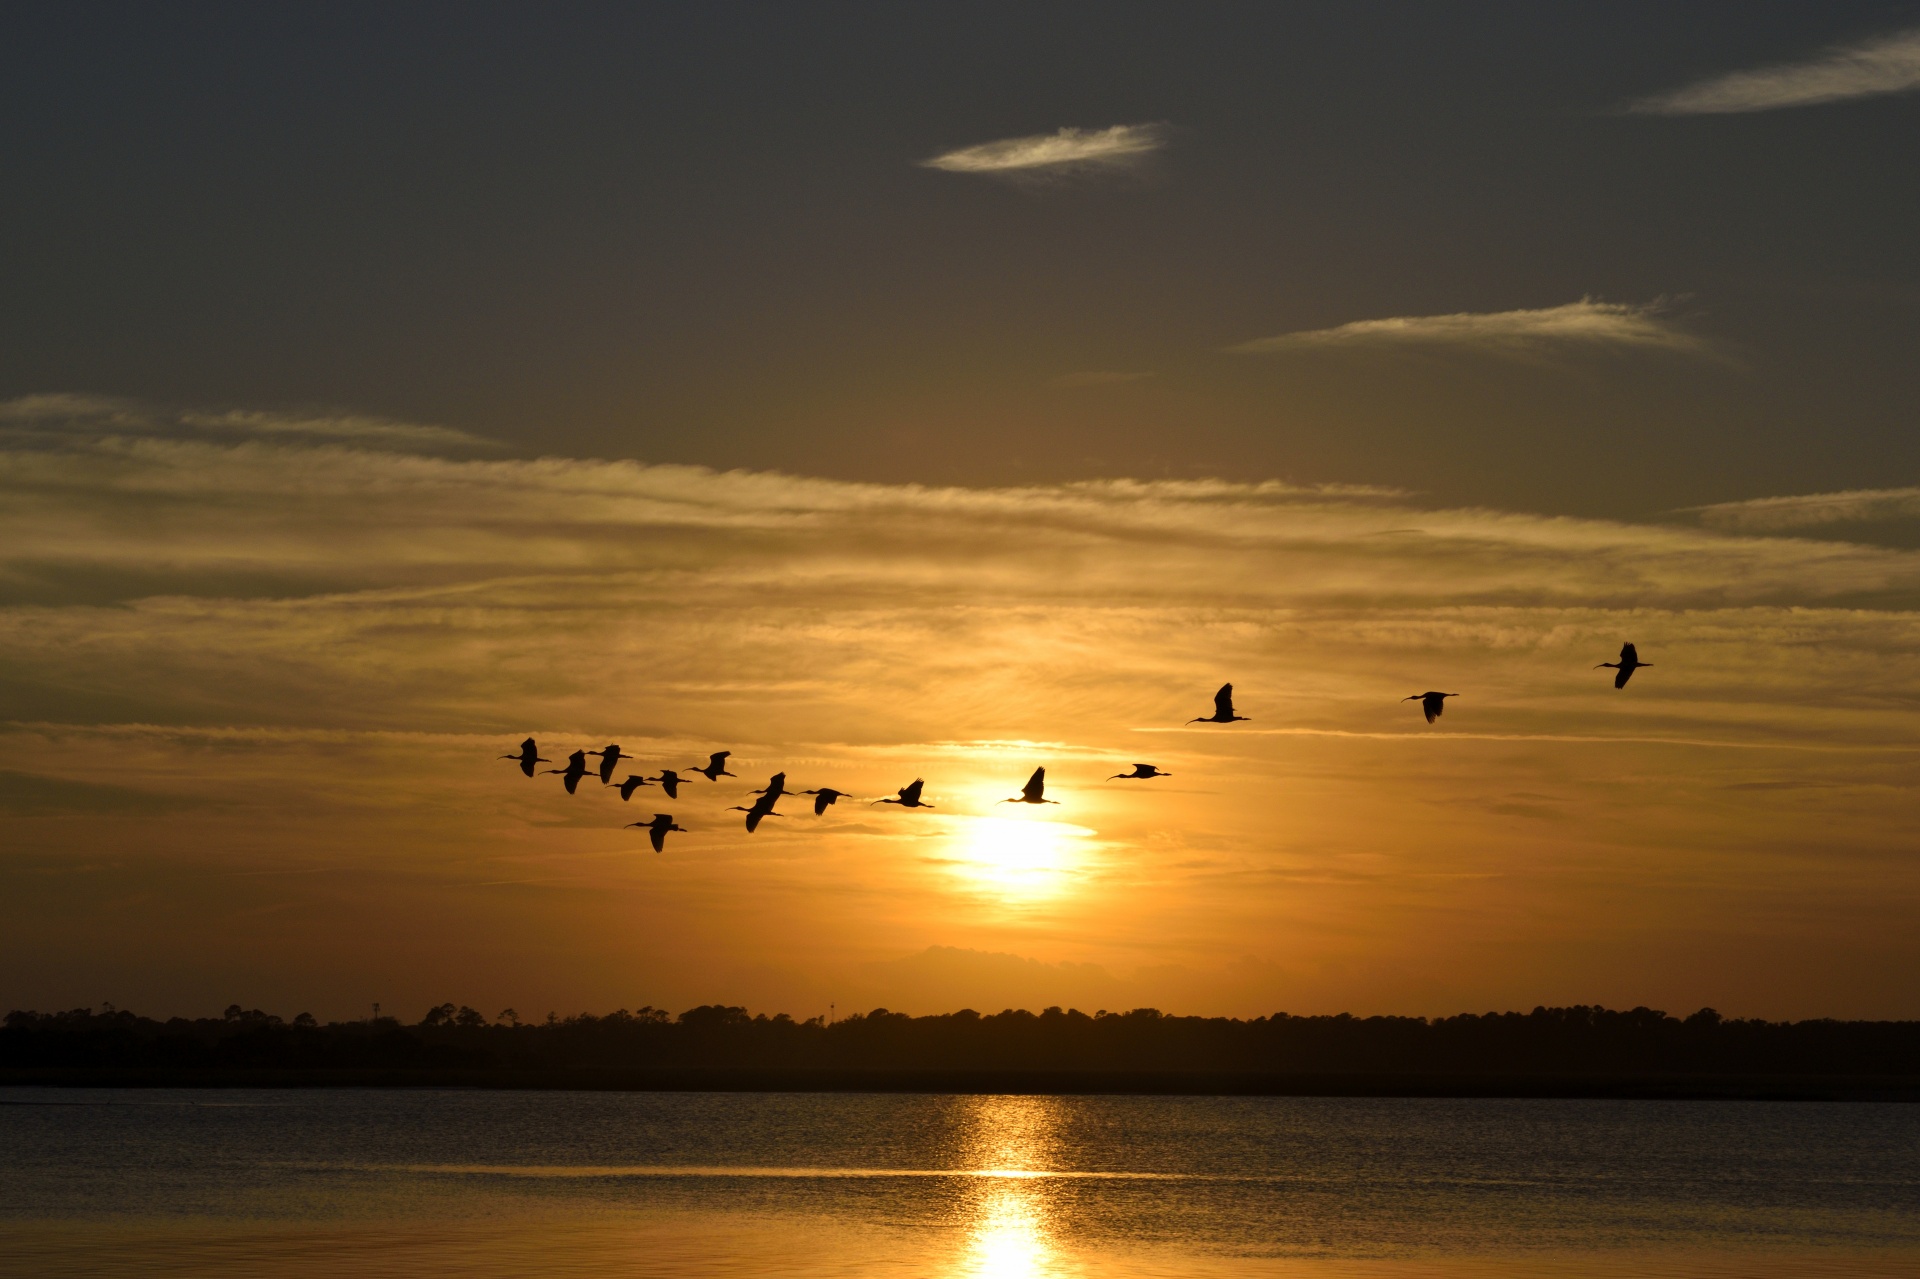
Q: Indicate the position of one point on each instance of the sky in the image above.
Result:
(948, 391)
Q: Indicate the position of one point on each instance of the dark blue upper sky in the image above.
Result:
(700, 233)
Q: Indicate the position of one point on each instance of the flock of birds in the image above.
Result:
(909, 796)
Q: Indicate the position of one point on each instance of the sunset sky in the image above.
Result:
(943, 391)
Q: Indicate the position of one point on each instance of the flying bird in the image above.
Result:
(634, 782)
(1629, 663)
(669, 782)
(909, 796)
(762, 807)
(824, 798)
(528, 756)
(1140, 771)
(716, 766)
(608, 758)
(776, 787)
(1034, 792)
(576, 769)
(1432, 703)
(657, 829)
(1222, 708)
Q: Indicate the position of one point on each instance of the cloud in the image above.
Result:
(319, 646)
(943, 978)
(1890, 64)
(1776, 514)
(57, 418)
(1069, 149)
(1585, 323)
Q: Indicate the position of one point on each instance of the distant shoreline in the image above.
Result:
(1884, 1088)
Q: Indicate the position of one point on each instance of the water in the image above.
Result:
(428, 1183)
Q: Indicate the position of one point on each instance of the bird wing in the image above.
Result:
(1625, 674)
(658, 834)
(777, 784)
(718, 759)
(1036, 786)
(820, 801)
(911, 794)
(1223, 702)
(528, 748)
(1628, 653)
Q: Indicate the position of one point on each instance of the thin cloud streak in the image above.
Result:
(63, 419)
(1811, 510)
(1446, 735)
(1890, 64)
(1068, 149)
(1585, 323)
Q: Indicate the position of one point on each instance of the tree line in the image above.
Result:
(1579, 1040)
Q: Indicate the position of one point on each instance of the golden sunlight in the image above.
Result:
(1011, 1143)
(1018, 859)
(1008, 1238)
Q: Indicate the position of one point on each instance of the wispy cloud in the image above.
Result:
(1585, 323)
(1777, 514)
(1069, 149)
(1890, 64)
(64, 418)
(318, 646)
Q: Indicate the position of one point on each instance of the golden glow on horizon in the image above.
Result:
(179, 790)
(1019, 859)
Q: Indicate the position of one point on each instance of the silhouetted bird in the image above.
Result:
(1034, 792)
(1222, 708)
(762, 807)
(1629, 663)
(669, 782)
(776, 787)
(634, 782)
(716, 766)
(657, 829)
(824, 798)
(909, 796)
(608, 758)
(1432, 703)
(527, 757)
(1140, 771)
(576, 769)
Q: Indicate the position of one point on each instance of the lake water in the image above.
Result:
(430, 1183)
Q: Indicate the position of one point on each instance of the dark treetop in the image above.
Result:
(713, 1041)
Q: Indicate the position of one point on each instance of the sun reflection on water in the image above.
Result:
(1010, 1231)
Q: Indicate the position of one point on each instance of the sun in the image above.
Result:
(1019, 858)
